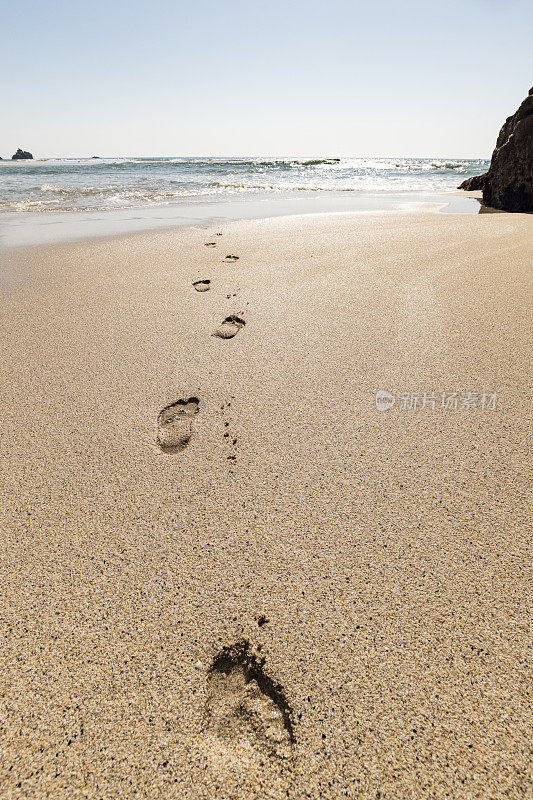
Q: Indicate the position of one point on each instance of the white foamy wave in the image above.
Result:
(77, 190)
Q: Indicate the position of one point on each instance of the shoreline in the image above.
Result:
(376, 560)
(49, 227)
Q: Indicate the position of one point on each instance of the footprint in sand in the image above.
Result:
(230, 327)
(174, 424)
(247, 716)
(231, 258)
(210, 244)
(202, 286)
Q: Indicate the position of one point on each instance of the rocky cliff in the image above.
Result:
(508, 185)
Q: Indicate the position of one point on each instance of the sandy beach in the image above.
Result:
(273, 590)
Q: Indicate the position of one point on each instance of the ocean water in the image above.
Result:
(126, 183)
(50, 201)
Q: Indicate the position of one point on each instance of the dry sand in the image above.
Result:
(299, 596)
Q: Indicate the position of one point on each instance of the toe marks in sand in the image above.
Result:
(230, 327)
(244, 704)
(230, 439)
(174, 424)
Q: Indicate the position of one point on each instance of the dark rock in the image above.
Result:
(508, 185)
(474, 183)
(21, 154)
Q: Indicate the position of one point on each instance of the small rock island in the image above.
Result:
(21, 154)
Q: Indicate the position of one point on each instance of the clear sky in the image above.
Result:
(243, 77)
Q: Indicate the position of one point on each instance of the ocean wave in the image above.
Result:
(283, 187)
(298, 162)
(75, 190)
(459, 166)
(98, 184)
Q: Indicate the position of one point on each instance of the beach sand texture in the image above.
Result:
(224, 573)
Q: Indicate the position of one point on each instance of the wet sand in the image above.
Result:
(224, 572)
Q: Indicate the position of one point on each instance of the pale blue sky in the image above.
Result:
(339, 78)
